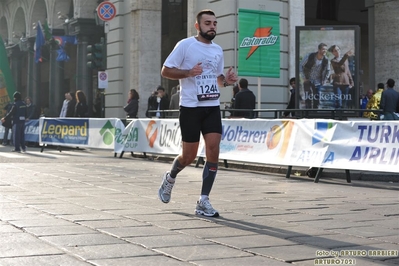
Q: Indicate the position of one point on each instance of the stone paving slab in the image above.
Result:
(48, 260)
(105, 211)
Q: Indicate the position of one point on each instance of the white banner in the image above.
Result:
(357, 145)
(152, 136)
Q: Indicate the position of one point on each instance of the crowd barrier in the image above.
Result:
(324, 143)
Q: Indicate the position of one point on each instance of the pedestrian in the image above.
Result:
(81, 108)
(132, 106)
(365, 99)
(18, 114)
(236, 89)
(64, 108)
(245, 99)
(162, 102)
(389, 101)
(175, 102)
(315, 71)
(374, 103)
(7, 124)
(291, 103)
(32, 112)
(198, 63)
(71, 104)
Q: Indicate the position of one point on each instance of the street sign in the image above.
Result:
(106, 11)
(102, 80)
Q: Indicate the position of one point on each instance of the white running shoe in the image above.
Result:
(165, 190)
(205, 208)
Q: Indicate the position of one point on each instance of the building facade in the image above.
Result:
(144, 32)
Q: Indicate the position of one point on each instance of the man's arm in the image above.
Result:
(175, 73)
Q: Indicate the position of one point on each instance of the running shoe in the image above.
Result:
(165, 190)
(205, 208)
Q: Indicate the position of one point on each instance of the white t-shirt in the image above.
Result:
(201, 90)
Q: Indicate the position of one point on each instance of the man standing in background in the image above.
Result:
(245, 99)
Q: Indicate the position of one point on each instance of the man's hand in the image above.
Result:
(196, 70)
(231, 76)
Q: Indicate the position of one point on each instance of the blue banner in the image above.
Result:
(32, 130)
(65, 131)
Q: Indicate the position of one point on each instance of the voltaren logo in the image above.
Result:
(262, 37)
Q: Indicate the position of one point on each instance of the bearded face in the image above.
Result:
(209, 35)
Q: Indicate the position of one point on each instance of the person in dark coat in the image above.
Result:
(245, 99)
(291, 103)
(389, 101)
(71, 104)
(132, 106)
(32, 112)
(81, 108)
(18, 113)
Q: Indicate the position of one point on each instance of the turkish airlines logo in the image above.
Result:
(261, 37)
(151, 133)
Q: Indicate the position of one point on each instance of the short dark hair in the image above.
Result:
(243, 83)
(292, 80)
(380, 85)
(391, 83)
(160, 88)
(204, 11)
(321, 45)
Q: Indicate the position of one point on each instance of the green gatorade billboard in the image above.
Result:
(259, 43)
(7, 87)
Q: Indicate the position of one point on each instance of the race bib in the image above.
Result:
(207, 87)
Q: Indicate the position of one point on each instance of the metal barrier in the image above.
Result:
(337, 114)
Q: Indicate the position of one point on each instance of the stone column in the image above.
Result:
(386, 40)
(145, 57)
(56, 85)
(16, 66)
(83, 74)
(30, 82)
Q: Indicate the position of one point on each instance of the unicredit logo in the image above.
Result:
(151, 133)
(262, 37)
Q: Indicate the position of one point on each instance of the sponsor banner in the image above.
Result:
(32, 130)
(161, 136)
(257, 140)
(259, 43)
(83, 132)
(326, 143)
(150, 135)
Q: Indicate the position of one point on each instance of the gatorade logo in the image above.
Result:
(151, 133)
(261, 37)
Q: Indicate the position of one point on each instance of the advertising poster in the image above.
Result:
(327, 73)
(259, 43)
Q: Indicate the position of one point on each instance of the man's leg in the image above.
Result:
(16, 138)
(189, 152)
(212, 142)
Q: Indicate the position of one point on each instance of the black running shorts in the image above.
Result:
(194, 120)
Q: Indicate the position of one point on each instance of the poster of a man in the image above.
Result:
(327, 60)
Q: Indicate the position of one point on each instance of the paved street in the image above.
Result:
(84, 207)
